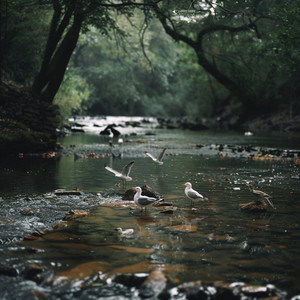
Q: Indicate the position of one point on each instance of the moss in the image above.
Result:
(15, 137)
(27, 123)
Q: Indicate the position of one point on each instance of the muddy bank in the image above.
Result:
(278, 122)
(282, 121)
(27, 124)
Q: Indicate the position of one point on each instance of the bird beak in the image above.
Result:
(133, 188)
(271, 203)
(183, 184)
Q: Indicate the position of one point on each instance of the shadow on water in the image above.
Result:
(214, 241)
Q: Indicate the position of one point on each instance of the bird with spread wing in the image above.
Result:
(124, 174)
(158, 160)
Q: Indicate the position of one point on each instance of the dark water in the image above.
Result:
(214, 241)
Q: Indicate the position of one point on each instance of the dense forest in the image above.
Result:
(206, 58)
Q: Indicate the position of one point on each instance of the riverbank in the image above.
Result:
(27, 124)
(30, 125)
(282, 122)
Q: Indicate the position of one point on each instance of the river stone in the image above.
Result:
(62, 192)
(31, 271)
(8, 271)
(146, 190)
(131, 280)
(154, 285)
(75, 213)
(114, 131)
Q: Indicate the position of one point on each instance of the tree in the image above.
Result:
(197, 23)
(23, 24)
(70, 18)
(227, 38)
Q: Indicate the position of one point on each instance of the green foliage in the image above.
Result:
(125, 63)
(251, 47)
(23, 28)
(72, 95)
(154, 78)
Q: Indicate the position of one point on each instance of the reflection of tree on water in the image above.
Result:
(28, 175)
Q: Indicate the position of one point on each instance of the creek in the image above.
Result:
(211, 241)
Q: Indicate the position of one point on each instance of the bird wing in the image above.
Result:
(143, 200)
(261, 194)
(127, 168)
(112, 170)
(161, 154)
(194, 194)
(150, 155)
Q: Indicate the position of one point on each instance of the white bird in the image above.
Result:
(248, 133)
(159, 158)
(124, 174)
(111, 134)
(125, 232)
(141, 200)
(191, 193)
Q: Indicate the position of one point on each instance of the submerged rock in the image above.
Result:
(254, 206)
(75, 213)
(131, 280)
(146, 190)
(111, 127)
(31, 271)
(62, 192)
(155, 283)
(8, 271)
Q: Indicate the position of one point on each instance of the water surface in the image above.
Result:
(213, 241)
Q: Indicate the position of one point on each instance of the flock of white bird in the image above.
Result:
(143, 201)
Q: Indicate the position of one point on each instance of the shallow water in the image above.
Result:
(213, 241)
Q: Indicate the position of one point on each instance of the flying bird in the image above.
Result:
(141, 200)
(159, 158)
(191, 193)
(124, 174)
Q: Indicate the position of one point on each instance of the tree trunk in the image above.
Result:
(54, 65)
(41, 79)
(59, 63)
(209, 67)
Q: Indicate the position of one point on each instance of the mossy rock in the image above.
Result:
(15, 137)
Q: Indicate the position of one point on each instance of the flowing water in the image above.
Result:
(211, 241)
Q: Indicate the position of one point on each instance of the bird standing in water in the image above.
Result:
(110, 133)
(261, 195)
(141, 200)
(191, 193)
(260, 204)
(158, 160)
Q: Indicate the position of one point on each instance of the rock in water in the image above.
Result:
(154, 285)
